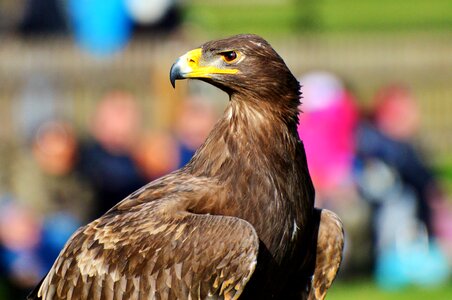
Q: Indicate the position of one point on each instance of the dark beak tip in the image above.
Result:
(174, 74)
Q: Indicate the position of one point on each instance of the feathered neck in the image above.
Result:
(251, 128)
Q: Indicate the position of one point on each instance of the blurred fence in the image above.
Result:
(366, 62)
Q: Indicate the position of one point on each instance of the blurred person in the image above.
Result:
(20, 237)
(401, 189)
(47, 180)
(107, 156)
(327, 128)
(194, 120)
(389, 137)
(157, 154)
(48, 202)
(161, 152)
(327, 125)
(396, 113)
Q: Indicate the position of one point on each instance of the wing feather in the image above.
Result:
(155, 251)
(330, 244)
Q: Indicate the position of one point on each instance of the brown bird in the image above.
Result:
(238, 221)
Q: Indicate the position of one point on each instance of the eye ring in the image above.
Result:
(229, 56)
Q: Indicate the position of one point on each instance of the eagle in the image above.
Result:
(237, 222)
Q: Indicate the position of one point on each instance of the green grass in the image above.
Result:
(350, 15)
(226, 19)
(345, 290)
(443, 169)
(366, 290)
(279, 17)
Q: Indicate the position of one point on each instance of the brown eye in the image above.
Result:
(229, 56)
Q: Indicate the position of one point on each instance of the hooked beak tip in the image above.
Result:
(175, 74)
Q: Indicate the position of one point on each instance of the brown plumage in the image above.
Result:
(237, 221)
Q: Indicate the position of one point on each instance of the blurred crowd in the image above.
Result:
(366, 165)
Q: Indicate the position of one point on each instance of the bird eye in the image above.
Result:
(229, 56)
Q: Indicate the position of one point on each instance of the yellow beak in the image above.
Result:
(192, 65)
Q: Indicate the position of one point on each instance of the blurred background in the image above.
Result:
(88, 115)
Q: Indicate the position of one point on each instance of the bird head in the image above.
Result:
(242, 64)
